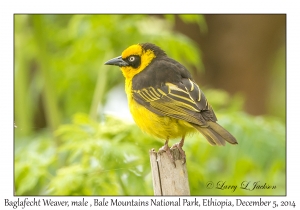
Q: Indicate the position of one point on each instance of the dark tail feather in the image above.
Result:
(222, 132)
(216, 134)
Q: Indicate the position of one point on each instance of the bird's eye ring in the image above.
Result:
(131, 58)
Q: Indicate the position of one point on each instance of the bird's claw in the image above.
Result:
(179, 146)
(166, 149)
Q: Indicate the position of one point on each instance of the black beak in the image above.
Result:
(118, 61)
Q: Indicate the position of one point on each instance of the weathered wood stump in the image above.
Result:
(167, 178)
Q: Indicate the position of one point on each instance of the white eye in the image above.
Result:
(131, 58)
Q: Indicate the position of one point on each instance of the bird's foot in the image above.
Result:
(166, 149)
(179, 146)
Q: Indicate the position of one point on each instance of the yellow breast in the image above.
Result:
(161, 127)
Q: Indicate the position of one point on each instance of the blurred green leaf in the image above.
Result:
(199, 19)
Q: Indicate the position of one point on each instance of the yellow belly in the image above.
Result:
(160, 127)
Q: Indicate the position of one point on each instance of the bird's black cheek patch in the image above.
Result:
(136, 64)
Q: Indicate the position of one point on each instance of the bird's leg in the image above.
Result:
(166, 149)
(179, 146)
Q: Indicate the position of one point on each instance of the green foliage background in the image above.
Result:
(83, 151)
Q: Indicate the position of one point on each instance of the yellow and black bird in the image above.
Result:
(163, 98)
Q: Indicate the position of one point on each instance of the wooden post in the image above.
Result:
(168, 179)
